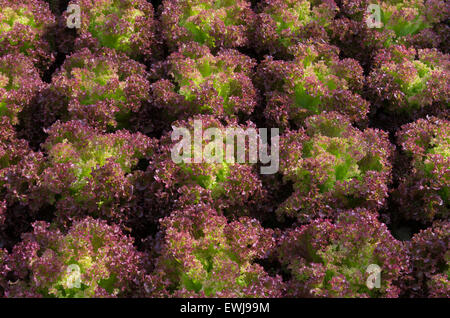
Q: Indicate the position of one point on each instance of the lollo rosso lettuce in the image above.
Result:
(402, 83)
(314, 82)
(418, 23)
(424, 194)
(19, 83)
(327, 259)
(333, 166)
(84, 172)
(231, 187)
(103, 88)
(203, 255)
(24, 26)
(430, 262)
(127, 26)
(213, 23)
(91, 259)
(198, 82)
(12, 149)
(283, 23)
(17, 166)
(403, 22)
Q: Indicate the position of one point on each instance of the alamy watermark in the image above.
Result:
(73, 278)
(374, 279)
(74, 17)
(208, 146)
(373, 18)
